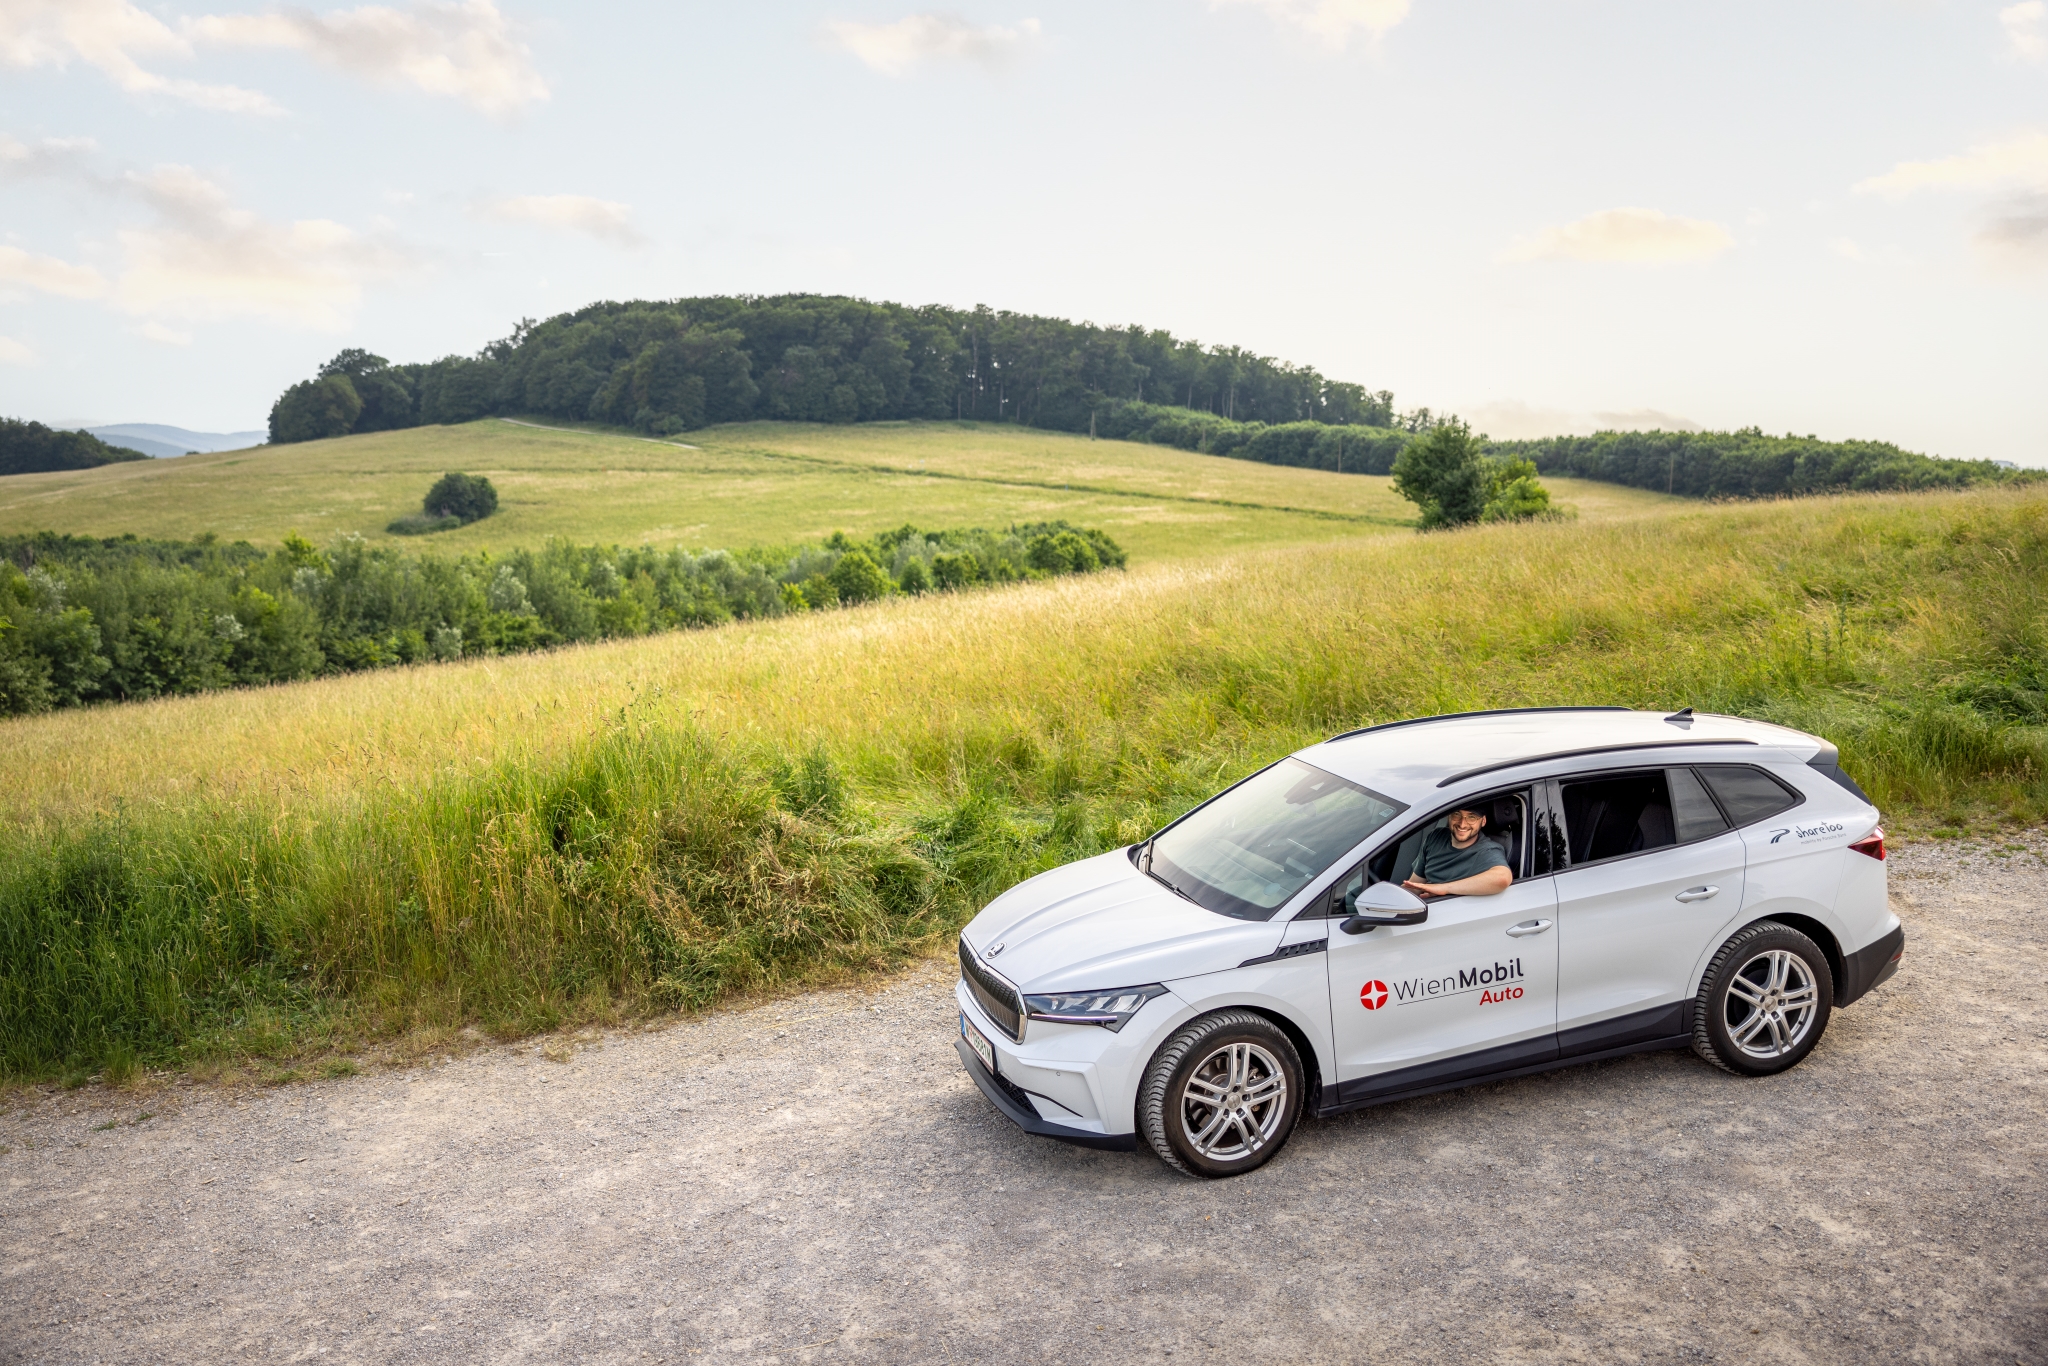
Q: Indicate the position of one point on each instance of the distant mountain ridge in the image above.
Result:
(159, 441)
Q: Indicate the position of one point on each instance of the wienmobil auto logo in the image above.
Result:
(1495, 982)
(1803, 833)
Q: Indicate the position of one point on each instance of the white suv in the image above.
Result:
(1679, 881)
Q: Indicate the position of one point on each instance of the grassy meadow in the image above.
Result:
(744, 485)
(655, 824)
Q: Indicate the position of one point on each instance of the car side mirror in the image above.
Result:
(1385, 903)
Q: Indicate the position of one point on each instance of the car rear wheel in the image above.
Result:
(1221, 1096)
(1764, 1002)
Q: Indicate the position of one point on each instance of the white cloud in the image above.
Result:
(2026, 30)
(2020, 159)
(206, 258)
(574, 212)
(50, 275)
(1645, 420)
(1849, 249)
(168, 336)
(2016, 234)
(13, 352)
(1633, 236)
(112, 36)
(895, 49)
(1333, 21)
(1513, 420)
(464, 49)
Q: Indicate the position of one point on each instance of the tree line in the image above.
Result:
(671, 366)
(85, 620)
(32, 448)
(1749, 464)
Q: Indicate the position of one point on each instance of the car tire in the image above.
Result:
(1764, 1002)
(1217, 1074)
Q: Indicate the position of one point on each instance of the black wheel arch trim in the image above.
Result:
(1030, 1122)
(1870, 966)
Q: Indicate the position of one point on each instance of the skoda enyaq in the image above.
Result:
(1685, 881)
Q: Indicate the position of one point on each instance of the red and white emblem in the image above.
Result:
(1373, 995)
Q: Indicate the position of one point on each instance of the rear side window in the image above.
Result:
(1692, 810)
(1616, 814)
(1748, 794)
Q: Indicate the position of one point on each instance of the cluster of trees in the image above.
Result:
(1748, 464)
(1453, 480)
(32, 448)
(455, 500)
(85, 620)
(670, 366)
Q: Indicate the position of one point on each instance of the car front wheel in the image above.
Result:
(1221, 1096)
(1764, 1002)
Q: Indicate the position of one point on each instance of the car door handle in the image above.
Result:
(1698, 893)
(1528, 927)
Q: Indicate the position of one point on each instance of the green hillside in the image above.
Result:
(655, 823)
(742, 485)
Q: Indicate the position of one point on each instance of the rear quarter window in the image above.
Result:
(1747, 794)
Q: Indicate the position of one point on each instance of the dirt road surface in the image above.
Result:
(815, 1180)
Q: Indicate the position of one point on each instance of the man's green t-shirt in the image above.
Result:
(1443, 861)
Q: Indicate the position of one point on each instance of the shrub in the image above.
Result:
(465, 497)
(857, 578)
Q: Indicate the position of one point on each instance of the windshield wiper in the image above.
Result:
(1171, 888)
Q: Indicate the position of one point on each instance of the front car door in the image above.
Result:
(1653, 875)
(1470, 991)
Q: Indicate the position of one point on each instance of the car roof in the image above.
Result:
(1439, 757)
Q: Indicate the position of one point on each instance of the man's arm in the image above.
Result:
(1492, 882)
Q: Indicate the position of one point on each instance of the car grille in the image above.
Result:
(997, 998)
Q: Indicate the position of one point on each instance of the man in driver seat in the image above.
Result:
(1459, 860)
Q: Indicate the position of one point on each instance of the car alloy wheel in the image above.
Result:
(1770, 1005)
(1221, 1096)
(1233, 1101)
(1764, 1001)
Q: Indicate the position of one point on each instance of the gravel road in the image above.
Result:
(816, 1180)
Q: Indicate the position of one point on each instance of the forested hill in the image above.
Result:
(665, 367)
(32, 448)
(671, 366)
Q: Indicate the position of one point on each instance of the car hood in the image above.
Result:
(1101, 923)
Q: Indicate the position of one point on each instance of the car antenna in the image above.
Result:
(1681, 718)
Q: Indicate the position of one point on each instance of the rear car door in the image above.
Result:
(1653, 873)
(1471, 990)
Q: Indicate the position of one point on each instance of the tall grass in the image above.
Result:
(657, 824)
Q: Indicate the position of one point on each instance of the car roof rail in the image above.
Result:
(1580, 753)
(1459, 716)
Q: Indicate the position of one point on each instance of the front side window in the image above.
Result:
(1245, 853)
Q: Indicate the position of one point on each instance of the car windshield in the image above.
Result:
(1258, 844)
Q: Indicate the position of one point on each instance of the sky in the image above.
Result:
(1543, 215)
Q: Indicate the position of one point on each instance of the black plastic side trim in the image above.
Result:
(1445, 1072)
(1638, 1026)
(1582, 753)
(1459, 716)
(1029, 1122)
(1865, 968)
(1287, 951)
(1507, 1074)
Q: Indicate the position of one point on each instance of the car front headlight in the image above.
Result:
(1111, 1009)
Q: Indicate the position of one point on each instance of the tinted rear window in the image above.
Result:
(1747, 794)
(1692, 810)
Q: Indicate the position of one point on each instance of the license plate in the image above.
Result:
(983, 1049)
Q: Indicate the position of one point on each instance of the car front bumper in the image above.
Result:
(1018, 1108)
